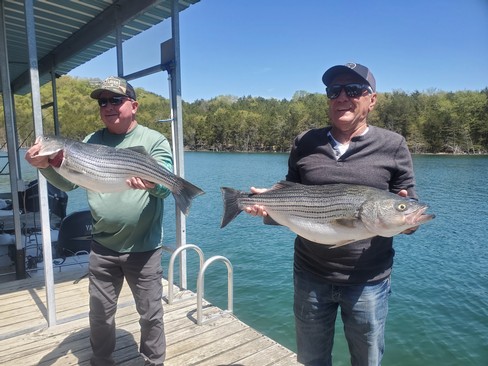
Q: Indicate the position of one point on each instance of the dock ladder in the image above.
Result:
(204, 264)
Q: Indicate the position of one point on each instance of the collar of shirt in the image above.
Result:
(338, 147)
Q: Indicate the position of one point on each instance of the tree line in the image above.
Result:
(432, 121)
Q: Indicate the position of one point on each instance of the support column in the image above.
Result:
(177, 115)
(13, 161)
(43, 198)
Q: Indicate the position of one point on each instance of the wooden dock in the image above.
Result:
(25, 338)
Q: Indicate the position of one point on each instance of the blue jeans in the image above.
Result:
(363, 311)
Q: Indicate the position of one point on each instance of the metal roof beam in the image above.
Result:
(95, 30)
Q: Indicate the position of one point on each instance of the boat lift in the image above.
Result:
(170, 62)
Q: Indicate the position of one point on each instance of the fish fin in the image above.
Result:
(341, 243)
(231, 205)
(268, 220)
(75, 172)
(282, 184)
(185, 193)
(350, 223)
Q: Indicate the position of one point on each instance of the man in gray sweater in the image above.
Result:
(354, 277)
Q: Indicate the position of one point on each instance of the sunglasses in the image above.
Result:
(102, 102)
(352, 90)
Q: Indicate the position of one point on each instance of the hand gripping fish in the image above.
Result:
(105, 169)
(333, 214)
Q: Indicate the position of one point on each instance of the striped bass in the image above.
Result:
(333, 214)
(105, 169)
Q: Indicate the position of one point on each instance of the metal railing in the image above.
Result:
(170, 298)
(200, 286)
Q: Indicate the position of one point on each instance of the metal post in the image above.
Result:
(43, 199)
(13, 161)
(55, 102)
(177, 115)
(119, 50)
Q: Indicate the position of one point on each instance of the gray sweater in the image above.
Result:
(379, 158)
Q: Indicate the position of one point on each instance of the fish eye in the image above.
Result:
(402, 206)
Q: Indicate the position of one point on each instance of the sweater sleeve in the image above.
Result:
(403, 178)
(293, 174)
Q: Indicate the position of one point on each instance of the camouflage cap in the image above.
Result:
(115, 85)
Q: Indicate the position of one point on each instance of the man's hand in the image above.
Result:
(33, 158)
(257, 210)
(139, 183)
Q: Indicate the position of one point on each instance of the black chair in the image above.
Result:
(75, 234)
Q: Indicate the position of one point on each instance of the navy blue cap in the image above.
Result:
(350, 68)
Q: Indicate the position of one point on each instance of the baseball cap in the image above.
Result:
(352, 68)
(115, 85)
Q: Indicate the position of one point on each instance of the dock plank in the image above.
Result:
(26, 339)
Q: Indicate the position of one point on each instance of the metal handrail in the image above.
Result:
(175, 254)
(200, 286)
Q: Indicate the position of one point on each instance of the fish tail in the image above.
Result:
(185, 194)
(231, 205)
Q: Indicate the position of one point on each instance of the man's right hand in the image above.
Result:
(33, 158)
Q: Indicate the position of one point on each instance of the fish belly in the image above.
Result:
(99, 173)
(95, 183)
(323, 232)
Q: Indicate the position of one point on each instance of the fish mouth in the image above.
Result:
(418, 217)
(56, 159)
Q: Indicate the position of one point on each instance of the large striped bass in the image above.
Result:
(105, 169)
(333, 214)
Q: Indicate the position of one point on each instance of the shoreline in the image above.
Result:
(5, 151)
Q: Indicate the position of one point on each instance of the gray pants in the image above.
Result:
(143, 273)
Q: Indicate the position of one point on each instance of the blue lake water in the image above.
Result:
(439, 303)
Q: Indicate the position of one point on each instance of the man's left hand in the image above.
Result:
(139, 183)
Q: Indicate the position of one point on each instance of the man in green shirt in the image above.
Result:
(127, 228)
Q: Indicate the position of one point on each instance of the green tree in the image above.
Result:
(431, 121)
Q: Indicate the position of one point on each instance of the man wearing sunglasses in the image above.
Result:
(127, 229)
(354, 277)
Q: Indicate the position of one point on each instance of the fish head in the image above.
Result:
(392, 215)
(50, 145)
(53, 147)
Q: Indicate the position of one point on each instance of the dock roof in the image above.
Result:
(72, 32)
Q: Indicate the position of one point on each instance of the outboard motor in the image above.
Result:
(57, 199)
(75, 234)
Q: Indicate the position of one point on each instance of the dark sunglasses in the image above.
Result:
(352, 90)
(102, 102)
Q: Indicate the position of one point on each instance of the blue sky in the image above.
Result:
(273, 48)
